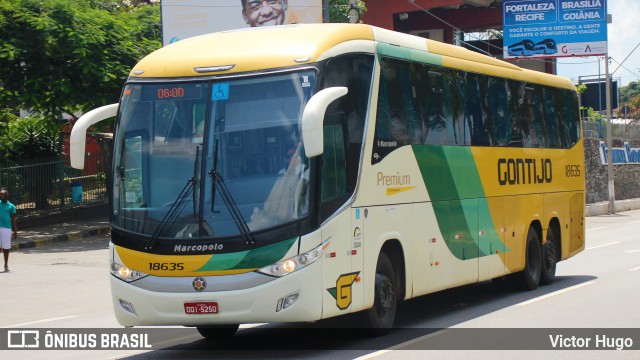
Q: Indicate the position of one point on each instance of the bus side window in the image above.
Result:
(354, 72)
(479, 116)
(516, 99)
(333, 188)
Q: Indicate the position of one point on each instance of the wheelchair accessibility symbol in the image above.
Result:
(220, 92)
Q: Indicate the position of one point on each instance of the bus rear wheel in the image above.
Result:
(381, 316)
(529, 278)
(550, 253)
(214, 332)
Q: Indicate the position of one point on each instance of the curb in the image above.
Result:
(602, 208)
(74, 235)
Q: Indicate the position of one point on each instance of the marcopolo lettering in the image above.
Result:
(524, 171)
(197, 248)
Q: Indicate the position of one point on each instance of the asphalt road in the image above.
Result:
(66, 286)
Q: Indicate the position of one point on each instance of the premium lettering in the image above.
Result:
(393, 180)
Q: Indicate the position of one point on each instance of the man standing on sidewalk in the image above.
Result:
(8, 227)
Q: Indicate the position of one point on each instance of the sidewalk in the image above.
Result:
(79, 229)
(63, 231)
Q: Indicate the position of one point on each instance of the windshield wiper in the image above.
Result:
(177, 206)
(236, 215)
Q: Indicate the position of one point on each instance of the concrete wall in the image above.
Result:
(626, 177)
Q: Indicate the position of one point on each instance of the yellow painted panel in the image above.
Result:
(248, 49)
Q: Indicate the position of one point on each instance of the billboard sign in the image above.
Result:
(186, 18)
(554, 28)
(595, 95)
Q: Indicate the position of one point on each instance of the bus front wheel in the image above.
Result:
(213, 332)
(383, 313)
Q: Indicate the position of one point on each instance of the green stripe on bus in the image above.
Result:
(408, 54)
(251, 259)
(458, 199)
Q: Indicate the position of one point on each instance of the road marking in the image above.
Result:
(40, 321)
(635, 222)
(402, 345)
(632, 251)
(555, 293)
(635, 268)
(603, 245)
(598, 228)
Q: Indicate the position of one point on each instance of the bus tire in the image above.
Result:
(529, 278)
(381, 316)
(214, 332)
(549, 257)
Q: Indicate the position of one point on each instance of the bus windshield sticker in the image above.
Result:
(305, 81)
(220, 92)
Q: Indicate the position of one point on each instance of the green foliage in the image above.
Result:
(29, 138)
(591, 115)
(35, 140)
(60, 56)
(338, 10)
(629, 91)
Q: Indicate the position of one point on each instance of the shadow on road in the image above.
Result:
(338, 338)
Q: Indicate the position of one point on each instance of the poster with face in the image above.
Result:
(186, 18)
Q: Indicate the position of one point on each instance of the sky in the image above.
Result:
(623, 36)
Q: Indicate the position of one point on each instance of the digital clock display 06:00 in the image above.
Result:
(169, 93)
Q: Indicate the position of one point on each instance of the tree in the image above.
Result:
(60, 57)
(633, 106)
(631, 90)
(338, 10)
(36, 140)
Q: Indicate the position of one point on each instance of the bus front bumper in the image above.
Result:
(136, 306)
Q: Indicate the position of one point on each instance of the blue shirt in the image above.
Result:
(6, 210)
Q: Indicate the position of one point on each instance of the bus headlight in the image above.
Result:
(124, 273)
(287, 266)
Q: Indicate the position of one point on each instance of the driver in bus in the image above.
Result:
(264, 12)
(282, 204)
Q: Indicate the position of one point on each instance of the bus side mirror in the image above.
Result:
(313, 117)
(78, 138)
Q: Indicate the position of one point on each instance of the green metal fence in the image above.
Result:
(40, 186)
(619, 130)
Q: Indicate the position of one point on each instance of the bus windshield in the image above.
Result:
(211, 159)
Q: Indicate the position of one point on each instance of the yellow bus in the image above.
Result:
(302, 172)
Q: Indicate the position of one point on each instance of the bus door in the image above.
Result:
(339, 279)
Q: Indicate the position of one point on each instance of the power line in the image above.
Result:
(625, 59)
(488, 43)
(620, 66)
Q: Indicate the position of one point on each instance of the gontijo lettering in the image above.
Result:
(524, 171)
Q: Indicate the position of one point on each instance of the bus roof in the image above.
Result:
(275, 47)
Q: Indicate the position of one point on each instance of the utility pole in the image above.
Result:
(325, 11)
(612, 195)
